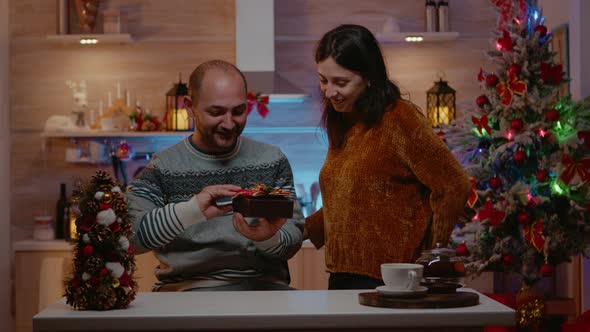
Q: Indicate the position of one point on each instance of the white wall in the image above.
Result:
(5, 248)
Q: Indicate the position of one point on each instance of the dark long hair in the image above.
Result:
(355, 48)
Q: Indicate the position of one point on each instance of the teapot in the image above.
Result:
(442, 264)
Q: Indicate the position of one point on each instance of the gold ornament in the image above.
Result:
(107, 197)
(116, 283)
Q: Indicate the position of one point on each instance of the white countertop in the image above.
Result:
(264, 310)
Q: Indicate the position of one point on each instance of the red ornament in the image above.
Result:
(87, 250)
(103, 271)
(514, 69)
(462, 250)
(505, 43)
(542, 175)
(130, 249)
(495, 182)
(552, 115)
(523, 218)
(76, 282)
(507, 260)
(546, 270)
(482, 101)
(124, 279)
(492, 80)
(104, 206)
(480, 75)
(115, 227)
(94, 281)
(551, 74)
(520, 157)
(516, 124)
(542, 30)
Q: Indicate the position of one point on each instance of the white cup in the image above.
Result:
(402, 276)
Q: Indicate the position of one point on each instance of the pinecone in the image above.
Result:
(119, 206)
(94, 265)
(91, 207)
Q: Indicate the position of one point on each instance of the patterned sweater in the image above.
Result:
(387, 193)
(194, 252)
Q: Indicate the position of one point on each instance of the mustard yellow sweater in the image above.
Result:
(390, 191)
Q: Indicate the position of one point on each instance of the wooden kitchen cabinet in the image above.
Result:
(41, 266)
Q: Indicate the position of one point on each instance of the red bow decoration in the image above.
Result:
(263, 190)
(505, 7)
(260, 102)
(585, 136)
(533, 234)
(551, 73)
(482, 123)
(508, 89)
(572, 168)
(473, 197)
(489, 212)
(505, 42)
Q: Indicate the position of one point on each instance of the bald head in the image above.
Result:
(219, 67)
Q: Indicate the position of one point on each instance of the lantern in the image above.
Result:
(440, 103)
(178, 117)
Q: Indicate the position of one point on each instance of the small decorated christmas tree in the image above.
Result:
(528, 153)
(102, 277)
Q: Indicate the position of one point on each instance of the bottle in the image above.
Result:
(430, 16)
(62, 218)
(443, 16)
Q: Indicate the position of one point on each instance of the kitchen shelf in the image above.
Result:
(427, 37)
(107, 38)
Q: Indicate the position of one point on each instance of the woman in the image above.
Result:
(390, 187)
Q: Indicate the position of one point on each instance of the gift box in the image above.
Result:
(263, 202)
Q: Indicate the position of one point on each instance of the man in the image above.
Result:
(173, 201)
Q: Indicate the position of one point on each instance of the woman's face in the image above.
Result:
(339, 85)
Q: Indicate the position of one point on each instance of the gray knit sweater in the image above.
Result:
(193, 251)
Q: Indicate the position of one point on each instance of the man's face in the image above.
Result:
(220, 111)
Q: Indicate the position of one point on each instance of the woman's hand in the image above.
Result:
(263, 230)
(207, 197)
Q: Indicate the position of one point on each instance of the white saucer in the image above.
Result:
(386, 291)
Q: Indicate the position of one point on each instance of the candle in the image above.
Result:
(127, 98)
(118, 90)
(100, 107)
(110, 100)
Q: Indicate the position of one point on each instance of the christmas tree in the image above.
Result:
(527, 152)
(102, 277)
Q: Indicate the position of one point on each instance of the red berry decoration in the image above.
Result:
(514, 69)
(516, 124)
(495, 182)
(542, 175)
(507, 260)
(492, 80)
(552, 115)
(482, 101)
(542, 30)
(546, 270)
(519, 157)
(523, 218)
(462, 250)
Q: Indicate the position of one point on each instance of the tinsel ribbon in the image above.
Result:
(489, 212)
(473, 196)
(572, 168)
(482, 123)
(531, 313)
(551, 73)
(260, 102)
(508, 89)
(533, 234)
(264, 190)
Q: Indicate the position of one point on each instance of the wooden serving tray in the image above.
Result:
(430, 301)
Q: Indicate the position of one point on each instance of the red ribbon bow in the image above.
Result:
(551, 73)
(512, 86)
(260, 102)
(572, 168)
(473, 197)
(533, 234)
(505, 42)
(489, 212)
(482, 123)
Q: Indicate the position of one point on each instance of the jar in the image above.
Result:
(43, 228)
(442, 264)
